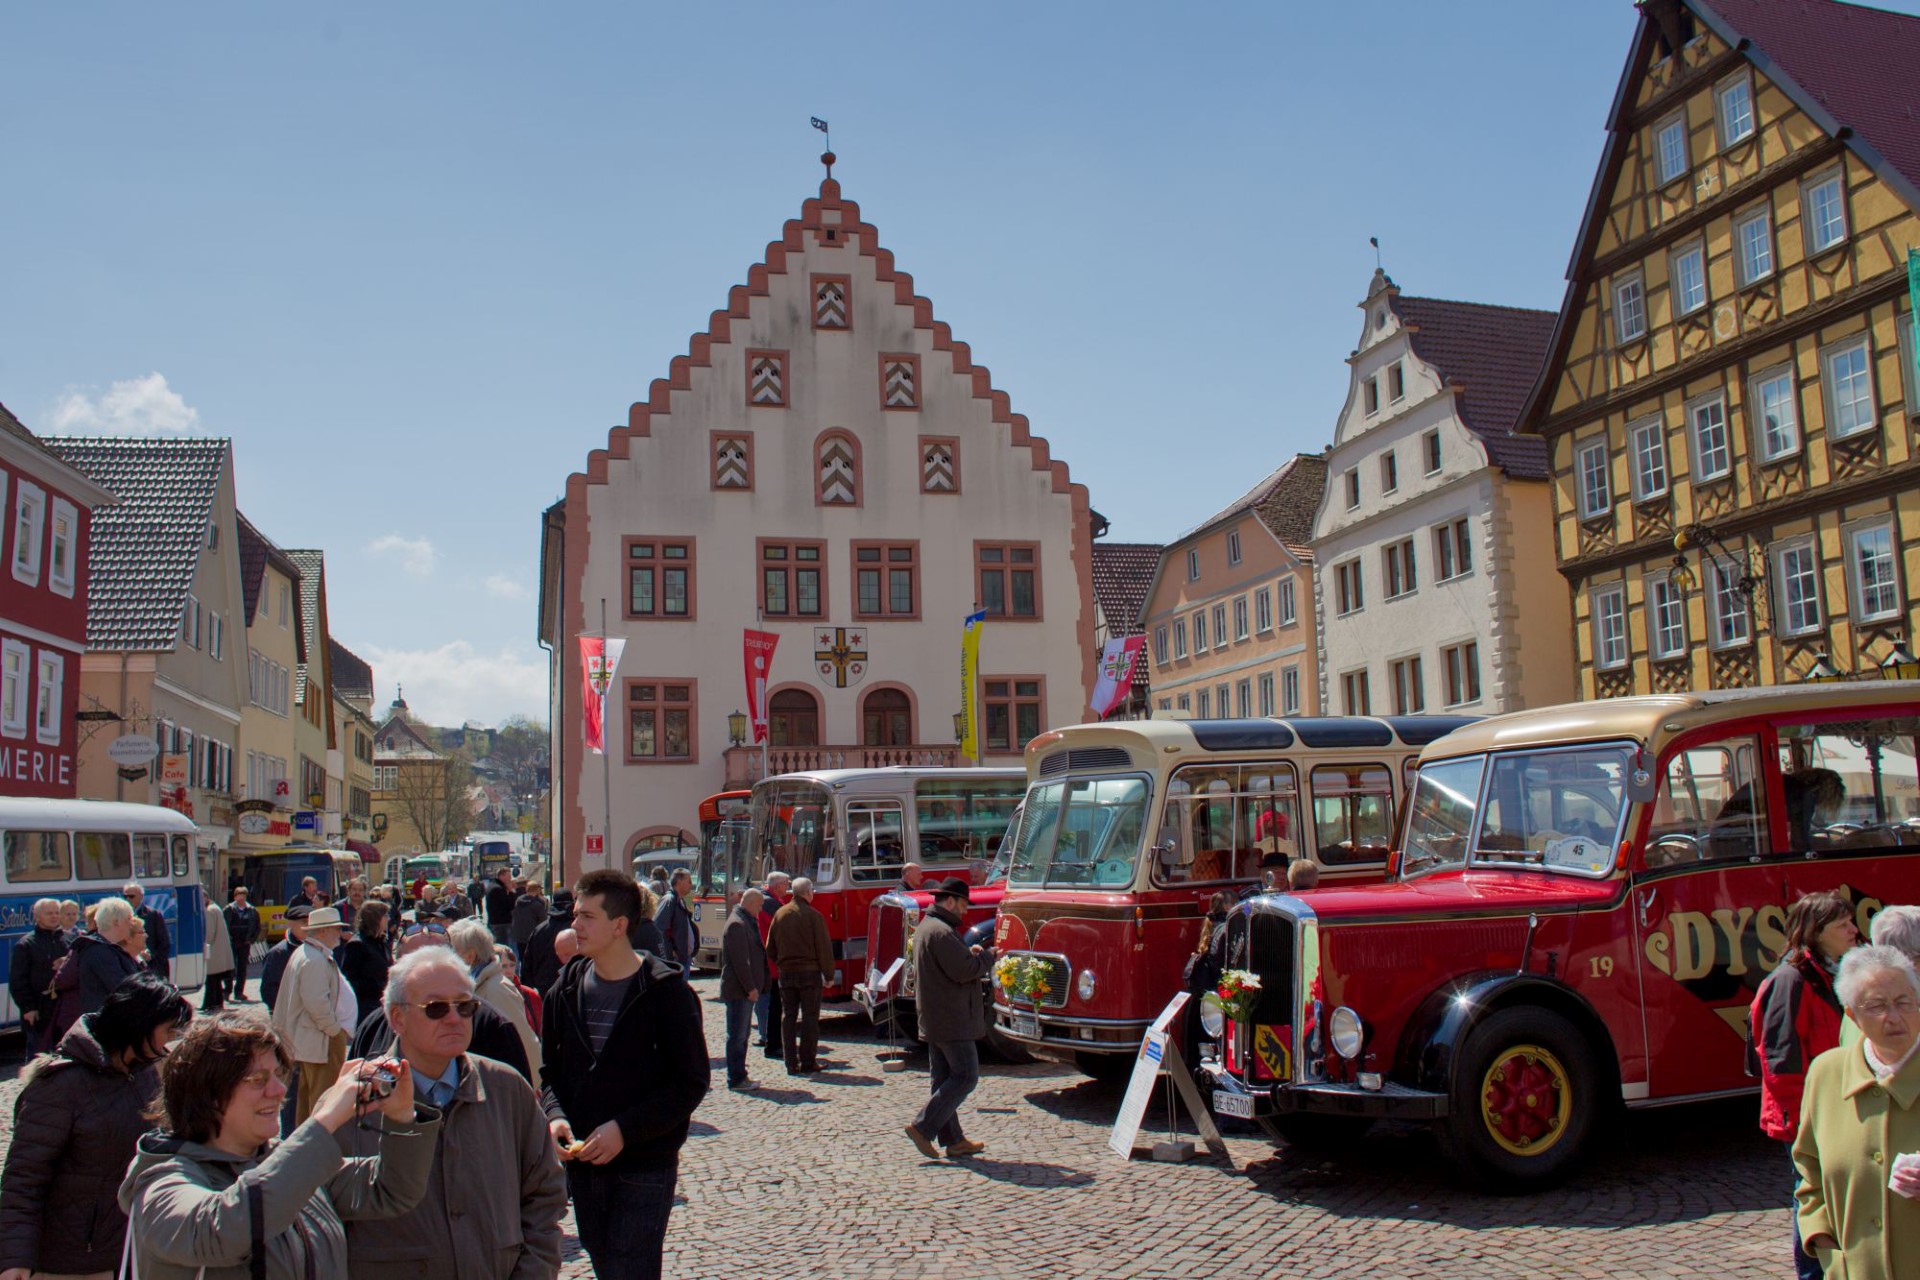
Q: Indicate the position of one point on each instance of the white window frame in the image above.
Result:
(1702, 473)
(1179, 638)
(1160, 645)
(64, 548)
(1430, 452)
(1203, 703)
(1856, 580)
(1747, 271)
(1788, 604)
(1763, 384)
(29, 531)
(1353, 488)
(1290, 691)
(1724, 126)
(1730, 624)
(1267, 704)
(1396, 382)
(16, 687)
(1233, 546)
(190, 622)
(1243, 699)
(1593, 485)
(1811, 240)
(1666, 618)
(1856, 345)
(1610, 648)
(1651, 476)
(1220, 640)
(1263, 610)
(1289, 603)
(1666, 166)
(1629, 307)
(1240, 631)
(1193, 564)
(49, 681)
(1461, 683)
(1696, 251)
(1200, 630)
(1389, 472)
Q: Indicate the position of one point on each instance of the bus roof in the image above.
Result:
(1653, 716)
(92, 815)
(1263, 733)
(836, 778)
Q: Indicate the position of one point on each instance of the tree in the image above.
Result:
(434, 794)
(519, 754)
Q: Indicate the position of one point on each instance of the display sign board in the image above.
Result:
(1158, 1053)
(173, 769)
(132, 749)
(596, 844)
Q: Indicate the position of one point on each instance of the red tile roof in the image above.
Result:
(257, 551)
(1122, 576)
(1491, 356)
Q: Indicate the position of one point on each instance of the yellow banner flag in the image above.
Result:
(970, 684)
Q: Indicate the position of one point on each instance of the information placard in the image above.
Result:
(1133, 1107)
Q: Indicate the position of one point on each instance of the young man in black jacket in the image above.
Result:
(626, 1064)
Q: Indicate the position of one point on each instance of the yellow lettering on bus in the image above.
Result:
(1770, 926)
(1693, 945)
(1733, 924)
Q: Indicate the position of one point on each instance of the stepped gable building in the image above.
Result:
(1229, 613)
(829, 464)
(46, 522)
(1729, 399)
(1432, 540)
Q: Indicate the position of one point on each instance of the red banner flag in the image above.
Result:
(1115, 681)
(598, 658)
(757, 650)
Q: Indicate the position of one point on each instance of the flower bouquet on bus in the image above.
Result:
(1238, 991)
(1023, 978)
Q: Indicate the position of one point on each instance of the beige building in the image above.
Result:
(270, 586)
(1229, 614)
(354, 731)
(321, 764)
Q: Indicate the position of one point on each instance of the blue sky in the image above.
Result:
(416, 259)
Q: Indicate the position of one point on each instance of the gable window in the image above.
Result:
(1689, 279)
(1712, 459)
(1610, 627)
(1460, 666)
(1389, 472)
(1452, 550)
(1728, 605)
(1356, 699)
(1595, 500)
(1015, 709)
(1797, 571)
(1290, 691)
(216, 634)
(1733, 104)
(1850, 408)
(886, 579)
(1629, 308)
(767, 379)
(1008, 574)
(1823, 212)
(832, 304)
(1753, 239)
(1200, 631)
(1397, 381)
(1349, 588)
(1409, 691)
(1265, 683)
(837, 470)
(1193, 564)
(1876, 594)
(1179, 637)
(1431, 444)
(1233, 546)
(1370, 394)
(1160, 645)
(1401, 575)
(1670, 146)
(660, 721)
(1649, 459)
(792, 579)
(1289, 609)
(1240, 618)
(29, 521)
(659, 579)
(1353, 487)
(733, 461)
(1263, 610)
(65, 528)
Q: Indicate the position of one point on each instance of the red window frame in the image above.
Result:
(788, 564)
(887, 562)
(649, 554)
(649, 693)
(1006, 695)
(1005, 565)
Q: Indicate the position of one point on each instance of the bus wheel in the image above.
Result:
(1317, 1134)
(1006, 1048)
(1525, 1093)
(1108, 1068)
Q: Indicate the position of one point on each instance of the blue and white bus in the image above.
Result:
(92, 849)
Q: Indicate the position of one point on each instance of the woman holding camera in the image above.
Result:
(221, 1091)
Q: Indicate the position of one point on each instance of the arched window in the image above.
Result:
(793, 719)
(836, 470)
(886, 719)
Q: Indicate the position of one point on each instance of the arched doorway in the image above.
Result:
(793, 719)
(886, 719)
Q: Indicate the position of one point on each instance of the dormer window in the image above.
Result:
(1370, 395)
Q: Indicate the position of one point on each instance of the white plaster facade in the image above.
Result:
(1489, 636)
(663, 481)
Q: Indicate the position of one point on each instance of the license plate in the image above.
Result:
(1228, 1103)
(1026, 1024)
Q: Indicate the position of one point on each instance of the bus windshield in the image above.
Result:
(723, 850)
(792, 829)
(1558, 809)
(1081, 831)
(1441, 814)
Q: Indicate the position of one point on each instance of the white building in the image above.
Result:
(828, 464)
(1435, 586)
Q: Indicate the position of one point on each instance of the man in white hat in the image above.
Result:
(315, 1011)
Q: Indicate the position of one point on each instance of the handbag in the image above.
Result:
(256, 1228)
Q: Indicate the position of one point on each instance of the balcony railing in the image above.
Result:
(744, 768)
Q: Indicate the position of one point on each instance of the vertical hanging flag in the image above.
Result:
(970, 684)
(1115, 680)
(599, 657)
(757, 650)
(1913, 308)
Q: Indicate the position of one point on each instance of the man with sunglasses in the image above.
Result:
(496, 1194)
(493, 1036)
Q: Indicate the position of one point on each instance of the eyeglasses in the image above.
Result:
(415, 929)
(258, 1079)
(1905, 1006)
(438, 1009)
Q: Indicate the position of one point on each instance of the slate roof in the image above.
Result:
(313, 567)
(257, 551)
(1492, 357)
(1291, 502)
(82, 489)
(352, 674)
(145, 549)
(1122, 577)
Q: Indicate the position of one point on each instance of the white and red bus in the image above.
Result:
(719, 874)
(851, 831)
(1129, 828)
(1585, 900)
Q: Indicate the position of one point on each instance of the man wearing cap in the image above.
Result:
(315, 1010)
(947, 974)
(274, 968)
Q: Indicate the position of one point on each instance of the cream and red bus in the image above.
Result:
(720, 872)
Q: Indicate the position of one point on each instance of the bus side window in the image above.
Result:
(1850, 784)
(150, 857)
(878, 840)
(37, 855)
(103, 855)
(1712, 806)
(1352, 813)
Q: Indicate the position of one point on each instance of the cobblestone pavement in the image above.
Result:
(812, 1177)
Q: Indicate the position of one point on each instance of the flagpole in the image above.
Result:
(606, 747)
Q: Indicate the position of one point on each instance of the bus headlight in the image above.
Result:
(1213, 1018)
(1084, 986)
(1346, 1032)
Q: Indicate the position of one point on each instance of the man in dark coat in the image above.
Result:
(529, 913)
(243, 926)
(30, 980)
(743, 976)
(799, 943)
(679, 939)
(499, 905)
(538, 966)
(274, 967)
(159, 947)
(947, 974)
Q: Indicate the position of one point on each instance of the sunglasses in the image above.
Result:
(438, 1009)
(415, 929)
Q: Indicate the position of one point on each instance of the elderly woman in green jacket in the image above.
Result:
(212, 1193)
(1858, 1200)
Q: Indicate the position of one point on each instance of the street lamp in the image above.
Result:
(1900, 664)
(736, 728)
(1823, 671)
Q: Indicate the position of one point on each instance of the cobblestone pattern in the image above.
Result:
(812, 1177)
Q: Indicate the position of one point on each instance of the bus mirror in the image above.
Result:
(1170, 854)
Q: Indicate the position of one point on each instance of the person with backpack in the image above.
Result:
(30, 980)
(97, 963)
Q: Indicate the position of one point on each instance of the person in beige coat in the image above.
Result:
(1858, 1202)
(309, 1013)
(472, 941)
(219, 961)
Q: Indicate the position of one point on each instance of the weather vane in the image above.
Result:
(827, 157)
(1375, 242)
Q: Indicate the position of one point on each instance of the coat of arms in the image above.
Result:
(840, 655)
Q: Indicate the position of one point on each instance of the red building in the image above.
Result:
(48, 513)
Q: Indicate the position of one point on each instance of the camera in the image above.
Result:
(378, 1081)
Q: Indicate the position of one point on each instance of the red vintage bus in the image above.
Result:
(851, 831)
(1585, 900)
(719, 873)
(1129, 828)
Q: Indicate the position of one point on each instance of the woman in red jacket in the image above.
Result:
(1796, 1017)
